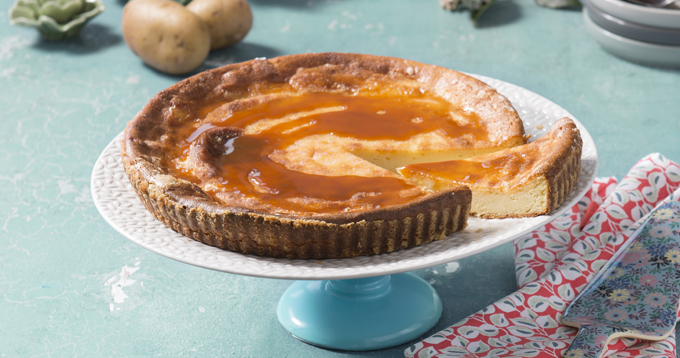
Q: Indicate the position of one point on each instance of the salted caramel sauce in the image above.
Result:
(494, 171)
(244, 170)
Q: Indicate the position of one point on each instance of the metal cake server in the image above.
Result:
(637, 293)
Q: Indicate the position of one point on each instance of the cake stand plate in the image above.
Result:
(118, 204)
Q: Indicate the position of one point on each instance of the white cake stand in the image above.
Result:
(366, 298)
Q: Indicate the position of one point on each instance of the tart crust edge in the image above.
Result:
(381, 231)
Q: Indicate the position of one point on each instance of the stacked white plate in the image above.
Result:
(636, 33)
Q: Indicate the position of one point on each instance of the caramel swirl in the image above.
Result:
(230, 158)
(490, 172)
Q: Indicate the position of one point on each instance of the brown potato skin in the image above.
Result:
(228, 20)
(165, 35)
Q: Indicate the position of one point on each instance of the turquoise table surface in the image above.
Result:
(71, 286)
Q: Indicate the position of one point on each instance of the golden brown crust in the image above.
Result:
(366, 233)
(562, 171)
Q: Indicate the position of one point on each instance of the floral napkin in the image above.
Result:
(554, 263)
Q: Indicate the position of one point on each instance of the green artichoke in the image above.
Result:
(55, 19)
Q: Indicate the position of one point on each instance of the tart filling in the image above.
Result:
(320, 152)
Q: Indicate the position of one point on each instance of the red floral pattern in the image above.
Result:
(554, 264)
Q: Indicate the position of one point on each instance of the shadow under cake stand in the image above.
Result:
(361, 303)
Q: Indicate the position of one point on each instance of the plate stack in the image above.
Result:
(634, 32)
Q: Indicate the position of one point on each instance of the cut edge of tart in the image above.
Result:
(186, 200)
(528, 180)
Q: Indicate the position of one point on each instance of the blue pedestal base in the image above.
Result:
(360, 314)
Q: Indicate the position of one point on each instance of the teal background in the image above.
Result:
(63, 102)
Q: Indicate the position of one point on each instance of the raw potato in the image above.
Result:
(228, 20)
(165, 35)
